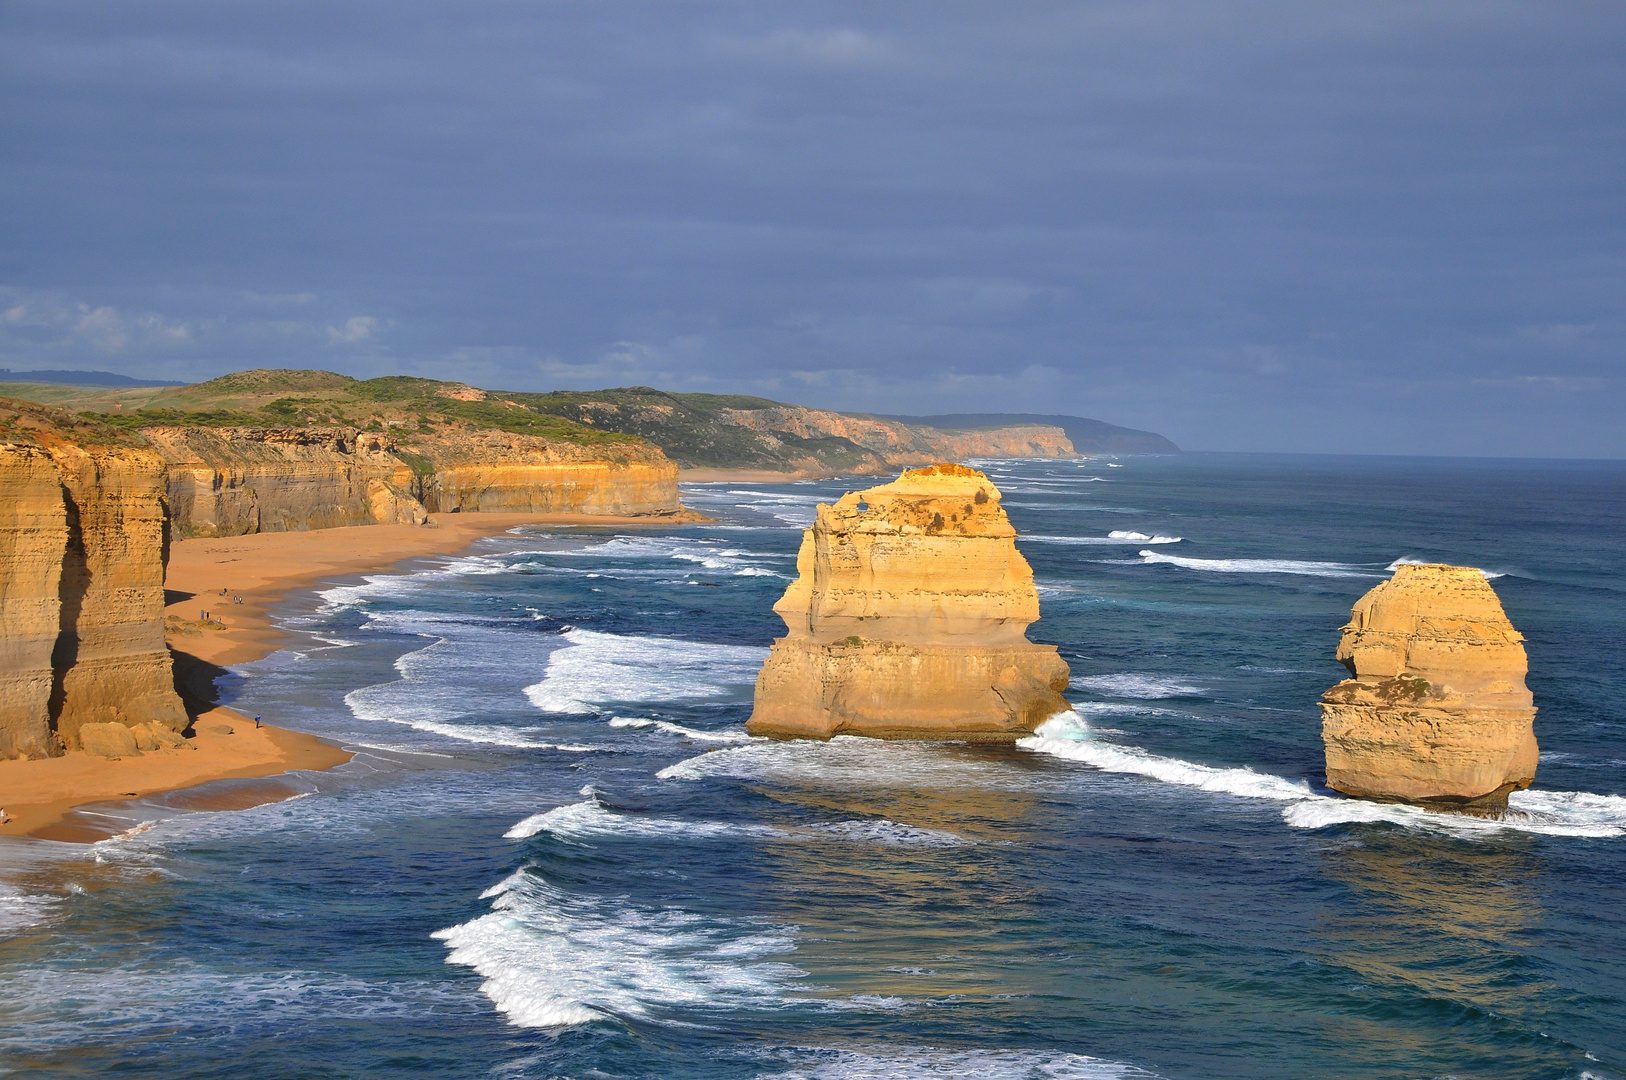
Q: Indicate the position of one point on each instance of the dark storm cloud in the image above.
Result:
(1373, 227)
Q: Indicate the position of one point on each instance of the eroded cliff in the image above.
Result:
(33, 541)
(503, 471)
(1437, 710)
(907, 620)
(110, 662)
(83, 542)
(231, 481)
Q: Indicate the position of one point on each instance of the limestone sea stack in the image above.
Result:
(907, 620)
(1437, 712)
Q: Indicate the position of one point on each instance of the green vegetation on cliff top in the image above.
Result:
(293, 398)
(694, 430)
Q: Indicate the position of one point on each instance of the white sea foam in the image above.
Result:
(727, 735)
(1410, 560)
(20, 909)
(960, 1063)
(1554, 813)
(450, 687)
(579, 821)
(599, 669)
(1259, 566)
(1136, 686)
(1116, 537)
(588, 820)
(848, 761)
(1068, 736)
(551, 958)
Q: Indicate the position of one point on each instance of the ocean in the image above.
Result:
(557, 853)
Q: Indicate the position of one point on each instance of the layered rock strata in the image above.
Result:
(231, 481)
(1437, 711)
(33, 541)
(496, 471)
(907, 620)
(110, 662)
(83, 544)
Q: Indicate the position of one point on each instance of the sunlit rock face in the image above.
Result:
(908, 620)
(1437, 711)
(110, 662)
(33, 541)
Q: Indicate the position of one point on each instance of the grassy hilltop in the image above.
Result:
(715, 431)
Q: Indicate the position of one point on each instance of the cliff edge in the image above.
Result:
(1437, 711)
(907, 620)
(83, 544)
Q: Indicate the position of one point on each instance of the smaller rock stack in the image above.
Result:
(908, 620)
(1437, 712)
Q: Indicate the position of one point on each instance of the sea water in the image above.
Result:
(558, 854)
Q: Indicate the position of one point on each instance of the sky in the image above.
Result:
(1363, 227)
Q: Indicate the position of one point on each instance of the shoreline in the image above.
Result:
(207, 631)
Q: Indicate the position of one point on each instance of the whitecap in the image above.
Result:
(1116, 537)
(553, 959)
(735, 735)
(1259, 566)
(1410, 560)
(848, 761)
(1136, 686)
(958, 1063)
(1067, 735)
(598, 669)
(1555, 813)
(578, 821)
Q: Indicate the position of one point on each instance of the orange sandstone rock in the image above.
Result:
(1437, 711)
(908, 619)
(33, 541)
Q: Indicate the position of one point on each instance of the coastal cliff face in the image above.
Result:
(499, 471)
(1437, 711)
(908, 619)
(231, 481)
(83, 544)
(110, 662)
(33, 540)
(891, 443)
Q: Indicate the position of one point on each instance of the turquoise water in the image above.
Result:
(557, 854)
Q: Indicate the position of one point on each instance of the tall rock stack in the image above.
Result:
(112, 665)
(33, 540)
(82, 551)
(908, 620)
(1437, 711)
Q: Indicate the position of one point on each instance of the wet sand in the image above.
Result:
(208, 630)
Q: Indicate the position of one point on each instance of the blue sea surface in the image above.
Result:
(557, 854)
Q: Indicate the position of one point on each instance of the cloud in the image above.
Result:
(356, 328)
(838, 48)
(1209, 219)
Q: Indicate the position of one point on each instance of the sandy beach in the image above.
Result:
(219, 594)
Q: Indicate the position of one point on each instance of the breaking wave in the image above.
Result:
(937, 1063)
(735, 735)
(1116, 536)
(599, 669)
(551, 958)
(1554, 813)
(1411, 560)
(1259, 566)
(1136, 686)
